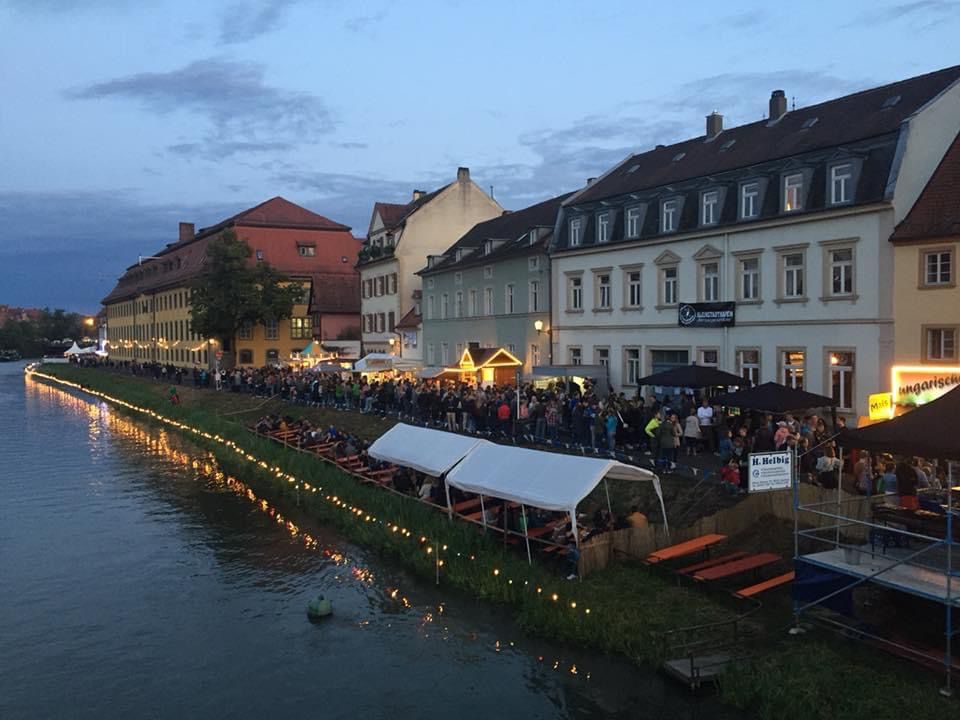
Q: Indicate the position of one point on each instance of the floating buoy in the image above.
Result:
(319, 608)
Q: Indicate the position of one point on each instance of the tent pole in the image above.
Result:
(526, 532)
(839, 491)
(446, 487)
(606, 489)
(483, 512)
(573, 526)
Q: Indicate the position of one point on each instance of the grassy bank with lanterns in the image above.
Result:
(625, 609)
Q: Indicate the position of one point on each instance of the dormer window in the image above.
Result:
(459, 254)
(603, 227)
(487, 247)
(534, 236)
(709, 202)
(840, 183)
(749, 200)
(633, 222)
(793, 192)
(668, 216)
(307, 250)
(575, 226)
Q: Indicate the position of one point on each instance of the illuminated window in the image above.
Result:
(792, 364)
(793, 192)
(842, 367)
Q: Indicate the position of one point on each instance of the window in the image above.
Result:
(534, 235)
(633, 222)
(458, 304)
(301, 327)
(508, 299)
(748, 365)
(488, 272)
(632, 366)
(271, 330)
(381, 322)
(393, 283)
(842, 366)
(709, 203)
(366, 323)
(534, 355)
(473, 302)
(307, 250)
(668, 216)
(793, 275)
(575, 232)
(750, 278)
(445, 354)
(488, 301)
(534, 296)
(936, 268)
(840, 177)
(633, 289)
(668, 285)
(709, 357)
(841, 271)
(792, 368)
(430, 283)
(603, 291)
(458, 278)
(533, 263)
(272, 355)
(430, 308)
(459, 351)
(391, 321)
(603, 227)
(576, 356)
(793, 192)
(710, 275)
(246, 357)
(602, 358)
(575, 293)
(246, 331)
(431, 354)
(444, 306)
(380, 285)
(941, 343)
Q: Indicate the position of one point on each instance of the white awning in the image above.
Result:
(73, 349)
(432, 452)
(547, 480)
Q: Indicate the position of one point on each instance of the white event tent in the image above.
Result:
(432, 452)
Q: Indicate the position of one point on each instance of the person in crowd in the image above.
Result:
(863, 474)
(610, 423)
(888, 485)
(907, 482)
(730, 476)
(637, 519)
(705, 416)
(828, 469)
(692, 432)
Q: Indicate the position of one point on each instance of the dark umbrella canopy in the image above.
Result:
(929, 431)
(774, 397)
(693, 376)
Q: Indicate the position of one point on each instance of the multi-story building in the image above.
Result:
(762, 249)
(148, 312)
(926, 297)
(409, 329)
(398, 241)
(491, 288)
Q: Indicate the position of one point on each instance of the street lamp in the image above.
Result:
(538, 326)
(88, 321)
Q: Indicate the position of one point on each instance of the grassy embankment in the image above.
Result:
(630, 608)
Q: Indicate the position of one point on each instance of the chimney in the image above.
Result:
(417, 194)
(186, 231)
(463, 174)
(778, 105)
(591, 181)
(714, 124)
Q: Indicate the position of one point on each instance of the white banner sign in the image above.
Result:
(770, 471)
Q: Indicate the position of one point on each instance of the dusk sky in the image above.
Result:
(119, 119)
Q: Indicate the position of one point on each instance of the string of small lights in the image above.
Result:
(444, 553)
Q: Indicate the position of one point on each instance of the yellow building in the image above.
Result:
(926, 294)
(148, 312)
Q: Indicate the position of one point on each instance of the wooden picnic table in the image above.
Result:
(698, 544)
(751, 562)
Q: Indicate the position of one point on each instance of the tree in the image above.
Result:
(230, 293)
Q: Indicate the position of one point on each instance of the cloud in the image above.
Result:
(211, 150)
(926, 10)
(361, 23)
(351, 145)
(242, 109)
(246, 21)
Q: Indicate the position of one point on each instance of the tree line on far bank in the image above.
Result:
(32, 337)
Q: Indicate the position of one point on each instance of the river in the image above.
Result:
(135, 585)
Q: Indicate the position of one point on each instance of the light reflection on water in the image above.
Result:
(148, 583)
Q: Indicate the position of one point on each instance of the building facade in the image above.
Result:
(762, 249)
(926, 296)
(491, 288)
(148, 312)
(398, 241)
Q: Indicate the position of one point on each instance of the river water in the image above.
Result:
(135, 585)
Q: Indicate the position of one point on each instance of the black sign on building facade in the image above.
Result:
(707, 315)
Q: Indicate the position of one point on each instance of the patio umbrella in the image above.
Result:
(775, 398)
(693, 376)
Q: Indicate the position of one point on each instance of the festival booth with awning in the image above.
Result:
(596, 374)
(774, 398)
(376, 362)
(487, 365)
(545, 480)
(432, 452)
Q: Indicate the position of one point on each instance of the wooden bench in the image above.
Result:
(466, 505)
(690, 569)
(765, 585)
(698, 544)
(751, 562)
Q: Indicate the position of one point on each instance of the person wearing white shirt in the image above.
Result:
(705, 417)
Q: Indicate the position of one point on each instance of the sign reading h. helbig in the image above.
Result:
(770, 471)
(711, 314)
